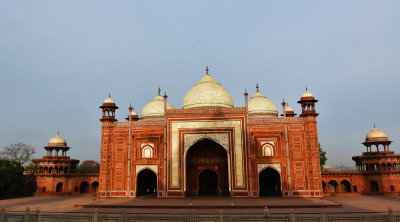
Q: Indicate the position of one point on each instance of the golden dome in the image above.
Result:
(155, 107)
(375, 133)
(258, 103)
(207, 93)
(57, 140)
(109, 100)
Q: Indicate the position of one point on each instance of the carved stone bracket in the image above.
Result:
(153, 168)
(262, 166)
(220, 138)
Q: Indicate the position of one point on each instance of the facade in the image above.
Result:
(211, 147)
(56, 173)
(378, 170)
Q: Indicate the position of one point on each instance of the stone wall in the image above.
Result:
(264, 215)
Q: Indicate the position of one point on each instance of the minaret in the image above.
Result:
(313, 169)
(108, 108)
(307, 102)
(107, 136)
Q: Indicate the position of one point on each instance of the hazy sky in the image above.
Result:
(60, 59)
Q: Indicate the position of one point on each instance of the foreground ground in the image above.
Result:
(87, 205)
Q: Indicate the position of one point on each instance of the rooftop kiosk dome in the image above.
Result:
(375, 134)
(57, 141)
(56, 144)
(155, 107)
(377, 138)
(259, 104)
(109, 100)
(207, 93)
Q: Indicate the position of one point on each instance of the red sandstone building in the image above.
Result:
(378, 170)
(211, 147)
(56, 173)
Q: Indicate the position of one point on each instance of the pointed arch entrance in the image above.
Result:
(146, 182)
(207, 169)
(59, 187)
(269, 181)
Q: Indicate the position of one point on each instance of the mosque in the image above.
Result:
(210, 147)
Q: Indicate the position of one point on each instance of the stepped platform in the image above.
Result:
(211, 203)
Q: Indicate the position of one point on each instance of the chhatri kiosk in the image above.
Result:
(211, 147)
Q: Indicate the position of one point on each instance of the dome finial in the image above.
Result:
(207, 70)
(109, 95)
(374, 125)
(257, 87)
(159, 91)
(58, 132)
(306, 88)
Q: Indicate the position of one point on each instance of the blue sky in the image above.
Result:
(60, 59)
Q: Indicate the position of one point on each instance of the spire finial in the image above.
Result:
(257, 87)
(109, 95)
(283, 100)
(374, 125)
(207, 70)
(306, 88)
(58, 133)
(159, 91)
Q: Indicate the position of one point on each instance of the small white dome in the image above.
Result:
(258, 103)
(155, 107)
(307, 94)
(109, 100)
(207, 93)
(289, 109)
(57, 140)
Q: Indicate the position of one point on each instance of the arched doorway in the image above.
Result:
(94, 187)
(332, 186)
(59, 187)
(84, 187)
(269, 182)
(207, 169)
(374, 186)
(146, 183)
(345, 186)
(208, 183)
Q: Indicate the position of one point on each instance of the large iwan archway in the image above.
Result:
(269, 182)
(207, 169)
(146, 183)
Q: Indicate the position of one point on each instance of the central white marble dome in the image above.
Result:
(207, 93)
